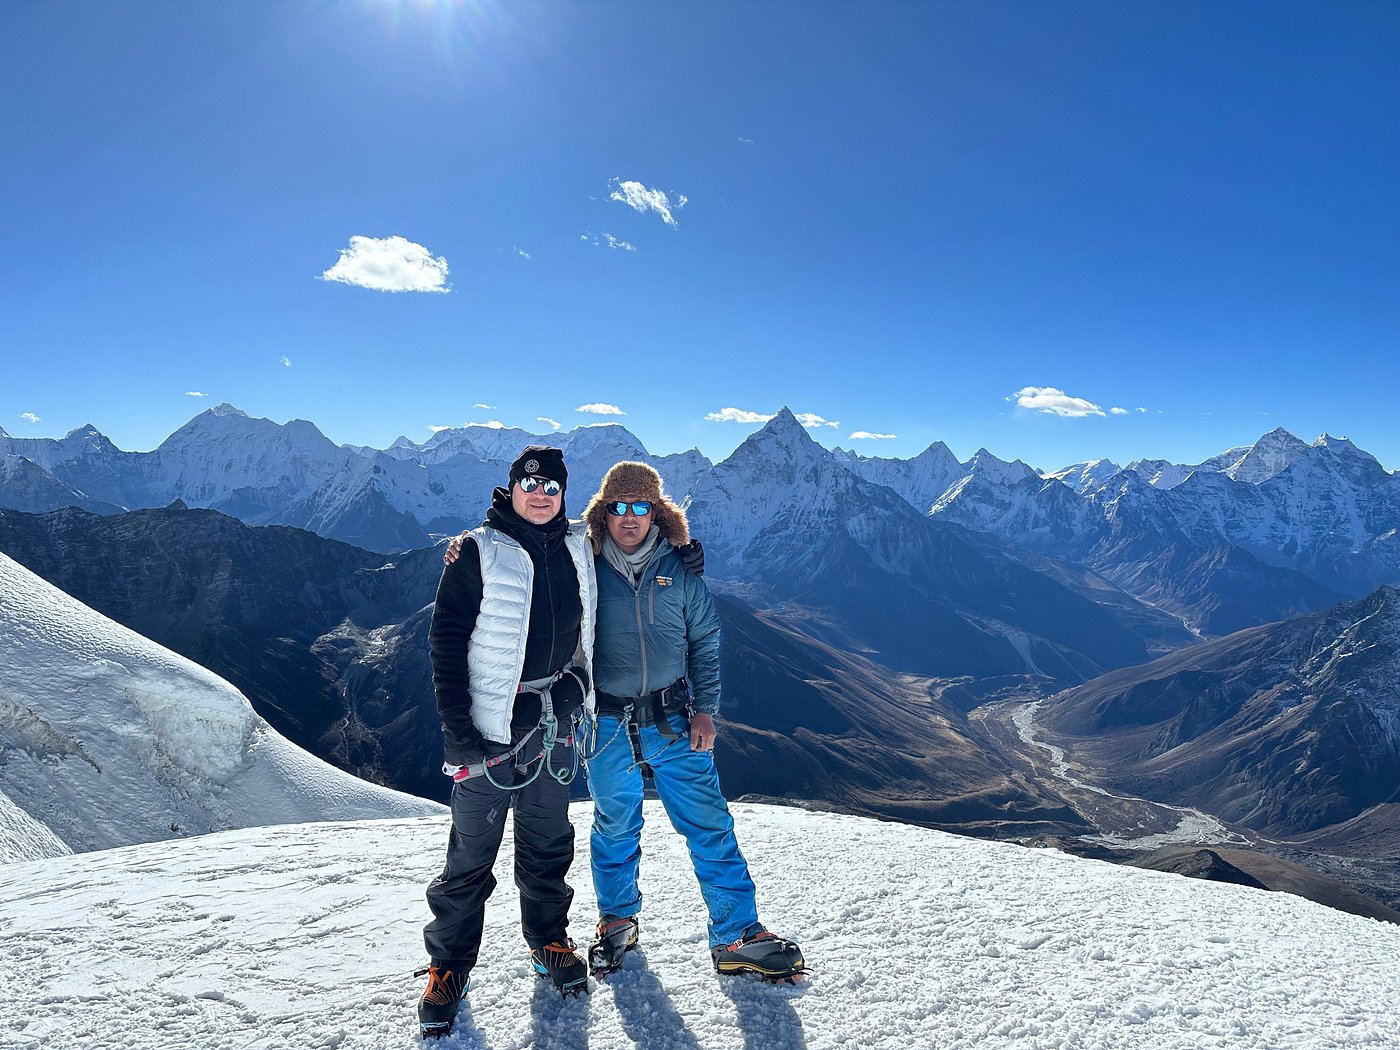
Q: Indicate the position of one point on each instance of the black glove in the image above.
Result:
(693, 557)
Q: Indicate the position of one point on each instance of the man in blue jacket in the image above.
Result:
(656, 670)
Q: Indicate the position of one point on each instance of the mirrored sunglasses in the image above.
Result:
(641, 508)
(551, 488)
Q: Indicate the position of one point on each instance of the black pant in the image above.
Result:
(544, 849)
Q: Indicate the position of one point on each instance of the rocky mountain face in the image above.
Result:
(1291, 729)
(825, 539)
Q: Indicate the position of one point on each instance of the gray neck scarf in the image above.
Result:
(632, 565)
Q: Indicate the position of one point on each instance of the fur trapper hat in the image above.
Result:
(631, 482)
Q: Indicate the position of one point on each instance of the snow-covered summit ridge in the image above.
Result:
(307, 936)
(107, 738)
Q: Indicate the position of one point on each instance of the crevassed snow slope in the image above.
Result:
(307, 936)
(107, 738)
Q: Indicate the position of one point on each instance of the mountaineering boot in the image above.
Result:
(772, 957)
(437, 1008)
(560, 962)
(615, 938)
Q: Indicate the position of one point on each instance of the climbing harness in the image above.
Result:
(543, 761)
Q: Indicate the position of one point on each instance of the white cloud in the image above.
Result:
(865, 435)
(522, 253)
(747, 142)
(286, 361)
(29, 417)
(437, 429)
(609, 240)
(389, 264)
(1141, 409)
(598, 408)
(481, 404)
(195, 393)
(490, 424)
(738, 415)
(1115, 410)
(553, 424)
(641, 199)
(811, 420)
(1055, 402)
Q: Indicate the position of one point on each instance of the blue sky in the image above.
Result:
(904, 219)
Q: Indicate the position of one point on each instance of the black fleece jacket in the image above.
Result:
(555, 621)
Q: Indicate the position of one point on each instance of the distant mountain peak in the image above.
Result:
(226, 409)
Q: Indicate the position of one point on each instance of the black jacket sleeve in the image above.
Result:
(454, 617)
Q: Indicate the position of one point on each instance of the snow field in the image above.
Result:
(307, 935)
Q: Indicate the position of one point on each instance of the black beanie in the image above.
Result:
(540, 461)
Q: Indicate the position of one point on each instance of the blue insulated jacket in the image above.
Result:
(649, 636)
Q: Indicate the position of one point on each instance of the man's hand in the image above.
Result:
(454, 549)
(702, 732)
(692, 557)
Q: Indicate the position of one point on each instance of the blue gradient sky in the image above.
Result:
(898, 217)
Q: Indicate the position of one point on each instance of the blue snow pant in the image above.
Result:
(544, 849)
(688, 785)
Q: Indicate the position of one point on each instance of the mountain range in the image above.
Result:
(869, 605)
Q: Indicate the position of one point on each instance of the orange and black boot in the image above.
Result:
(437, 1007)
(560, 962)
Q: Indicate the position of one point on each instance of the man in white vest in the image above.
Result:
(511, 642)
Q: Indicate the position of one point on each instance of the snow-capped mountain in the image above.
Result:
(24, 485)
(920, 480)
(1289, 728)
(307, 936)
(267, 473)
(1087, 475)
(826, 538)
(107, 739)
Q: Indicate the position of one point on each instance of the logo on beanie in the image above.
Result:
(531, 466)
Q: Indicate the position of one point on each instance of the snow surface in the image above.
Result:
(306, 936)
(107, 738)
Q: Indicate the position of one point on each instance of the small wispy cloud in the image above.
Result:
(746, 142)
(195, 393)
(1053, 401)
(1141, 409)
(389, 264)
(643, 199)
(286, 361)
(553, 424)
(607, 240)
(865, 435)
(812, 421)
(738, 415)
(490, 424)
(482, 404)
(599, 408)
(29, 417)
(521, 252)
(1116, 411)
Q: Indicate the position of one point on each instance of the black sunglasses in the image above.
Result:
(551, 488)
(618, 508)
